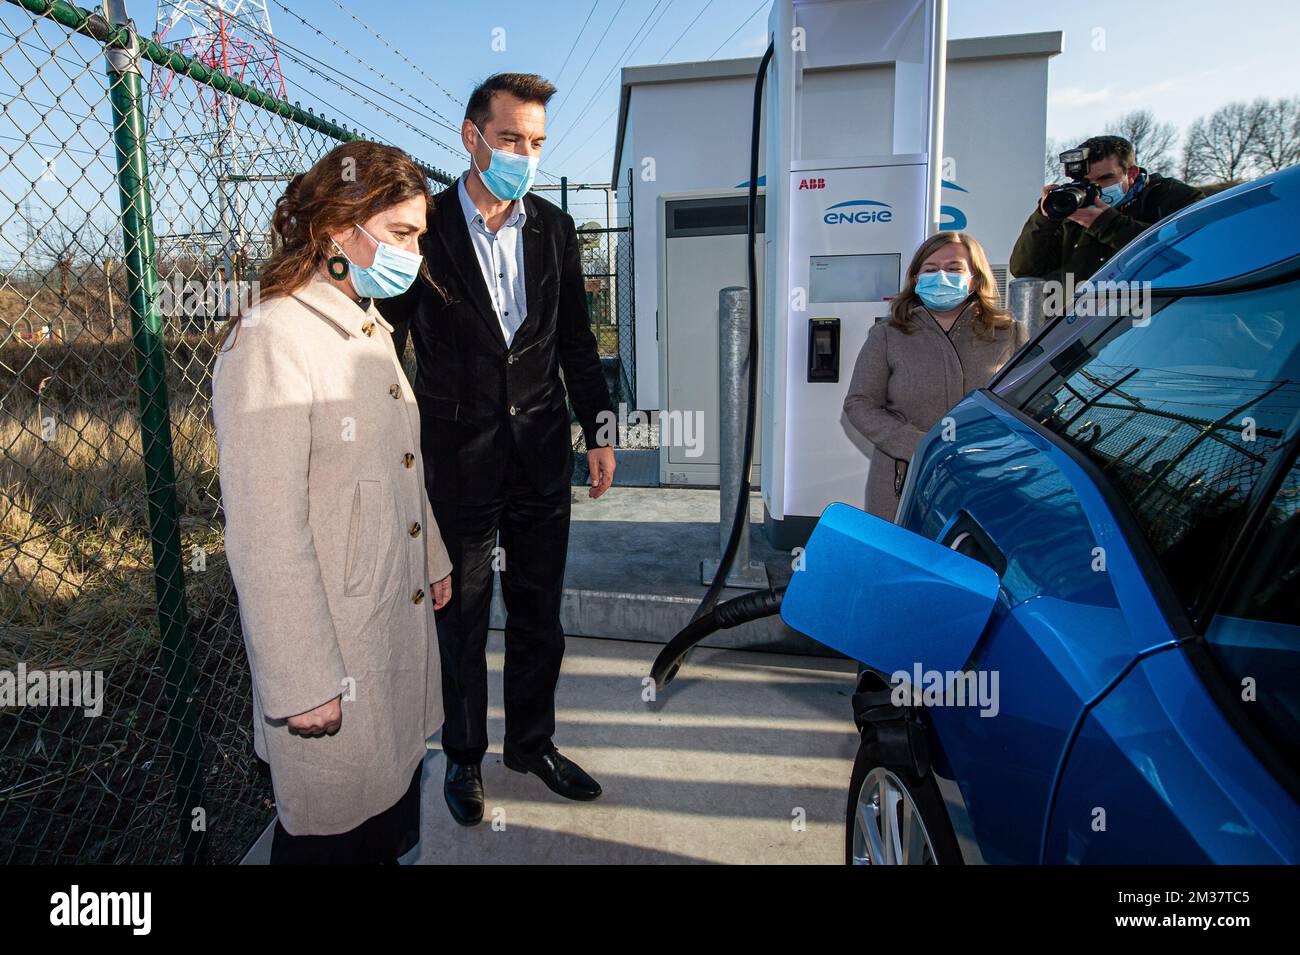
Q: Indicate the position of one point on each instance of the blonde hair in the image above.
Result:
(989, 314)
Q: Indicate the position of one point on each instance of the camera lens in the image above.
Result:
(1064, 201)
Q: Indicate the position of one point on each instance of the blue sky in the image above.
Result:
(1179, 59)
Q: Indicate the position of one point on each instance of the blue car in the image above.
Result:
(1082, 633)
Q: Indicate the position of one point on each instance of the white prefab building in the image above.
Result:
(683, 141)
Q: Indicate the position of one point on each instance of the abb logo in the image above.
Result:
(812, 183)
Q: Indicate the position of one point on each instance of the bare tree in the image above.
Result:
(1219, 146)
(1152, 141)
(63, 246)
(58, 244)
(1052, 150)
(1277, 143)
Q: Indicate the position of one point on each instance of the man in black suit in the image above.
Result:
(509, 314)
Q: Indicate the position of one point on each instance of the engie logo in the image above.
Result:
(857, 212)
(812, 183)
(955, 219)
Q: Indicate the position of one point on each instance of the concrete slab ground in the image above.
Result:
(718, 769)
(633, 570)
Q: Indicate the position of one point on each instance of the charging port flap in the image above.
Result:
(887, 597)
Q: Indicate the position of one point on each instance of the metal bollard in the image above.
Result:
(1025, 302)
(733, 404)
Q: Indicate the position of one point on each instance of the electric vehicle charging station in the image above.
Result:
(853, 186)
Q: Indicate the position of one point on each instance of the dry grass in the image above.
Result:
(76, 568)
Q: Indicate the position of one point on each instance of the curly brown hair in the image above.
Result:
(351, 183)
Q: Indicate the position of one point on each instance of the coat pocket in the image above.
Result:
(436, 406)
(363, 540)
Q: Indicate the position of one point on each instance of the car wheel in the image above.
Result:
(894, 817)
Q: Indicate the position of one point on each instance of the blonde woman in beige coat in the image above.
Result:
(946, 335)
(337, 561)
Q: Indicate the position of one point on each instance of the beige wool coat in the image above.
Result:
(903, 384)
(333, 548)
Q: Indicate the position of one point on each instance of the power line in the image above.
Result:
(371, 103)
(594, 48)
(687, 30)
(609, 115)
(300, 57)
(448, 123)
(437, 118)
(595, 4)
(739, 28)
(629, 56)
(618, 61)
(679, 39)
(404, 57)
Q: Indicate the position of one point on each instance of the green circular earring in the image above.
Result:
(337, 266)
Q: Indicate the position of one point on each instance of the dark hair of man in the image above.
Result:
(1100, 147)
(528, 87)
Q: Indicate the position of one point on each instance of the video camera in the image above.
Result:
(1063, 201)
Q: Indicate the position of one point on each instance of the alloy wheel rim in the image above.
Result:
(887, 826)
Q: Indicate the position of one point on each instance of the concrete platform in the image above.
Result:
(633, 570)
(744, 759)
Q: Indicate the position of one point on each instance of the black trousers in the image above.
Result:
(533, 531)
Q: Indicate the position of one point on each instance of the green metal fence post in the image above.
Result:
(122, 52)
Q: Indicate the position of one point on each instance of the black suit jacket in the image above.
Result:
(479, 398)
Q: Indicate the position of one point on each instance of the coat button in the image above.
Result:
(418, 596)
(368, 328)
(408, 459)
(415, 529)
(514, 410)
(510, 359)
(395, 390)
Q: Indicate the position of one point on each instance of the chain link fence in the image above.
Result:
(607, 269)
(135, 195)
(607, 272)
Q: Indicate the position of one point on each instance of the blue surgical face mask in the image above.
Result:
(1111, 195)
(942, 291)
(509, 175)
(390, 274)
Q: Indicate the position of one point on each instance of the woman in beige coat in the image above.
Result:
(336, 558)
(945, 336)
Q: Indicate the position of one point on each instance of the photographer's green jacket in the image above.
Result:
(1049, 249)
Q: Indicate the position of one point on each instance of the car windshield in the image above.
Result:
(1180, 412)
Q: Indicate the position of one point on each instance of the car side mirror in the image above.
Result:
(886, 596)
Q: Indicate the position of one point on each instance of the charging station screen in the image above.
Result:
(853, 278)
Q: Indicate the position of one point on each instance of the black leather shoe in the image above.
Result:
(463, 790)
(562, 775)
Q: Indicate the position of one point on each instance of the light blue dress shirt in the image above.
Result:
(501, 258)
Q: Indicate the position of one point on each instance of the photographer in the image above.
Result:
(1110, 201)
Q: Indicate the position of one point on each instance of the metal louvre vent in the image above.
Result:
(1000, 276)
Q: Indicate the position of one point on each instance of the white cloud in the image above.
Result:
(1075, 97)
